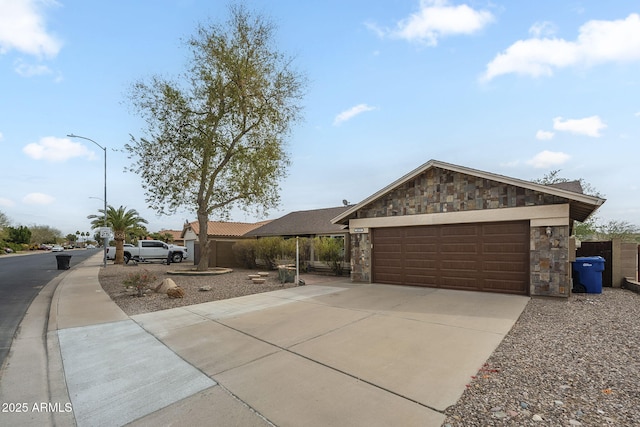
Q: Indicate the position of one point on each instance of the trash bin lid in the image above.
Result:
(590, 259)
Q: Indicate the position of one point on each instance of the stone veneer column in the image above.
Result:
(360, 257)
(549, 261)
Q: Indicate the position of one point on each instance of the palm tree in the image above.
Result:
(121, 221)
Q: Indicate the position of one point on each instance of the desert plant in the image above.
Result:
(269, 249)
(245, 253)
(139, 280)
(331, 252)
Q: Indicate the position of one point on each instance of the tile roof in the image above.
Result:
(224, 228)
(175, 233)
(300, 223)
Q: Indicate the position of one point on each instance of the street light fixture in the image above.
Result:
(105, 241)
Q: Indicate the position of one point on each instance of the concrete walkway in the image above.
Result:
(327, 354)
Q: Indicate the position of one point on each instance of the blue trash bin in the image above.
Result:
(587, 274)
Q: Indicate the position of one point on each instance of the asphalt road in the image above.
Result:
(21, 278)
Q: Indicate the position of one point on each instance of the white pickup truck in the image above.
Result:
(149, 250)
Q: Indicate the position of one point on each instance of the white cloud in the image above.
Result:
(544, 135)
(544, 28)
(437, 19)
(589, 126)
(22, 28)
(1, 136)
(637, 114)
(597, 42)
(38, 199)
(30, 70)
(547, 159)
(55, 149)
(511, 164)
(7, 203)
(351, 113)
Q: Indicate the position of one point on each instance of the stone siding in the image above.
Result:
(549, 261)
(439, 190)
(360, 257)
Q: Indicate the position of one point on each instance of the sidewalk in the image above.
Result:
(325, 354)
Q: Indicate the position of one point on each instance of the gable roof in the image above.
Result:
(581, 205)
(224, 228)
(301, 223)
(176, 234)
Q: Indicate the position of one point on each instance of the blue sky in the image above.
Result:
(515, 88)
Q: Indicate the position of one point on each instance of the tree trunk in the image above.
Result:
(203, 240)
(119, 238)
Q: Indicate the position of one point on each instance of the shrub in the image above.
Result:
(245, 253)
(139, 280)
(269, 249)
(331, 252)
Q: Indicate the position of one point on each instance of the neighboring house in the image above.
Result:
(449, 226)
(222, 236)
(176, 234)
(308, 223)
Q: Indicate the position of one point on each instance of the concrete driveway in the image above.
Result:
(333, 355)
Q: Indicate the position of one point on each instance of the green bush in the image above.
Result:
(330, 251)
(245, 253)
(15, 247)
(269, 249)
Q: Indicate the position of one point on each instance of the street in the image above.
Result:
(21, 278)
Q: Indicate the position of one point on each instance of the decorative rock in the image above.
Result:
(253, 276)
(496, 409)
(204, 288)
(263, 273)
(500, 414)
(176, 292)
(558, 402)
(524, 405)
(258, 280)
(575, 423)
(536, 417)
(165, 285)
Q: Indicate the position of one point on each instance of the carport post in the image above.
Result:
(297, 261)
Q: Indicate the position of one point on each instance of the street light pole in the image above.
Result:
(105, 241)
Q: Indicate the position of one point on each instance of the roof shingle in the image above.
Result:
(301, 223)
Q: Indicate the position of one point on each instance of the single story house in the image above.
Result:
(307, 223)
(448, 226)
(222, 236)
(176, 236)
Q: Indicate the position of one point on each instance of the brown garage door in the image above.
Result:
(490, 257)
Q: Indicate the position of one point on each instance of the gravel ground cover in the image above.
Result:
(566, 362)
(223, 286)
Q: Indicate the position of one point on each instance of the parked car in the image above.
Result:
(91, 246)
(57, 248)
(111, 250)
(148, 250)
